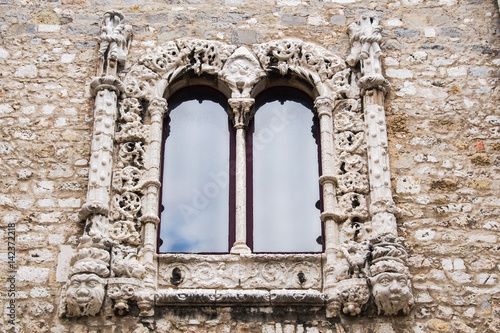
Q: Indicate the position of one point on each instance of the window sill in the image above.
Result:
(241, 273)
(212, 297)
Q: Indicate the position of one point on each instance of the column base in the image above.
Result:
(240, 248)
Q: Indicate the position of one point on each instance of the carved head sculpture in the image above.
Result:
(391, 287)
(392, 294)
(85, 288)
(85, 295)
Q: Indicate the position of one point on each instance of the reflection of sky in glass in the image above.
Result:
(196, 179)
(285, 167)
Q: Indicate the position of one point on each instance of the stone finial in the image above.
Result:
(115, 40)
(365, 49)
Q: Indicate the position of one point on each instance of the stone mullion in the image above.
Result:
(241, 115)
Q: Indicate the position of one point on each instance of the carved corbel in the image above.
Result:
(350, 296)
(127, 275)
(145, 301)
(121, 291)
(365, 49)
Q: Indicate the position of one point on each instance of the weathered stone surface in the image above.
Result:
(443, 100)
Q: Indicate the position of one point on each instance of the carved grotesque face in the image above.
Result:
(392, 293)
(84, 295)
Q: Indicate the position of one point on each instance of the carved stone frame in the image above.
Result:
(122, 208)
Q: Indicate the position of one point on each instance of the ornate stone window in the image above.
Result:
(117, 256)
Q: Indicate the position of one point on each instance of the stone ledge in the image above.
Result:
(212, 297)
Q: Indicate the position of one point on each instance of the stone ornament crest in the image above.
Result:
(364, 263)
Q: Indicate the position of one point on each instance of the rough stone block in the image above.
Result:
(399, 73)
(451, 32)
(477, 71)
(4, 54)
(157, 18)
(408, 185)
(63, 263)
(48, 28)
(289, 19)
(244, 37)
(406, 33)
(33, 274)
(26, 72)
(338, 20)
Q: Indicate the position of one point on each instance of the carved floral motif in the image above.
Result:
(256, 271)
(121, 212)
(323, 69)
(241, 72)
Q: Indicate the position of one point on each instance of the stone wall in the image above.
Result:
(442, 60)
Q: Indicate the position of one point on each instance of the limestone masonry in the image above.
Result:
(407, 98)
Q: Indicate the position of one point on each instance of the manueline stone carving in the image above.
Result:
(89, 268)
(361, 259)
(85, 288)
(121, 291)
(365, 49)
(323, 69)
(115, 41)
(125, 232)
(389, 279)
(241, 72)
(350, 296)
(255, 272)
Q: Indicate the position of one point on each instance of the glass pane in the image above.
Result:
(285, 177)
(195, 184)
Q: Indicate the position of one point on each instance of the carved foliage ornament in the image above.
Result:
(117, 252)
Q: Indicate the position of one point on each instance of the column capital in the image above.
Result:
(158, 107)
(324, 106)
(241, 111)
(108, 82)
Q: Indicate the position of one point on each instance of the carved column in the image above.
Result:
(365, 38)
(105, 90)
(90, 265)
(387, 267)
(241, 115)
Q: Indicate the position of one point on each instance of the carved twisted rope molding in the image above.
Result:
(116, 257)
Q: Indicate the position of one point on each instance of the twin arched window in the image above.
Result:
(198, 184)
